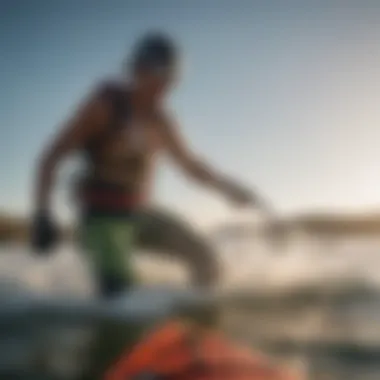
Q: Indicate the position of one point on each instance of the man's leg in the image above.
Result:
(162, 232)
(108, 244)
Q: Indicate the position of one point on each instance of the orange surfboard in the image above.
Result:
(177, 351)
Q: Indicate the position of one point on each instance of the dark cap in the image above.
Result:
(155, 51)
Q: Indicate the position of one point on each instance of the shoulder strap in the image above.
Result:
(117, 96)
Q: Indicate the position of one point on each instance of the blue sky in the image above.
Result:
(283, 96)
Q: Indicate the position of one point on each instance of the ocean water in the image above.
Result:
(247, 264)
(332, 333)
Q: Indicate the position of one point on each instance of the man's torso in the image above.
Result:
(124, 157)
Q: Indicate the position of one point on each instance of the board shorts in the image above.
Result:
(108, 243)
(108, 226)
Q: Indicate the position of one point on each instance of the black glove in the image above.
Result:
(44, 234)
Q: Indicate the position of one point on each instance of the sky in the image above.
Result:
(282, 95)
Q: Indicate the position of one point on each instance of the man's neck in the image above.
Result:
(141, 102)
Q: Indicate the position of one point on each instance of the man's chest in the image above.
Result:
(134, 137)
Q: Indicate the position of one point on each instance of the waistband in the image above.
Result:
(104, 199)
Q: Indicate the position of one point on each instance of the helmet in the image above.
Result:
(156, 52)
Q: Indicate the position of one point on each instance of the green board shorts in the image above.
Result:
(108, 243)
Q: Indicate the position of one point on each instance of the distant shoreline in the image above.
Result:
(14, 228)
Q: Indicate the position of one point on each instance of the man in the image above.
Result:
(120, 128)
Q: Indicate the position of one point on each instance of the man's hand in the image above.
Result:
(242, 195)
(238, 195)
(44, 234)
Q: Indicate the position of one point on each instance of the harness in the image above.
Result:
(100, 197)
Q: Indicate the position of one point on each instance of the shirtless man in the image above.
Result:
(120, 128)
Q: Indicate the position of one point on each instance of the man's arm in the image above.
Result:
(87, 122)
(197, 168)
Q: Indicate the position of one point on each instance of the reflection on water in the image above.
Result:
(326, 320)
